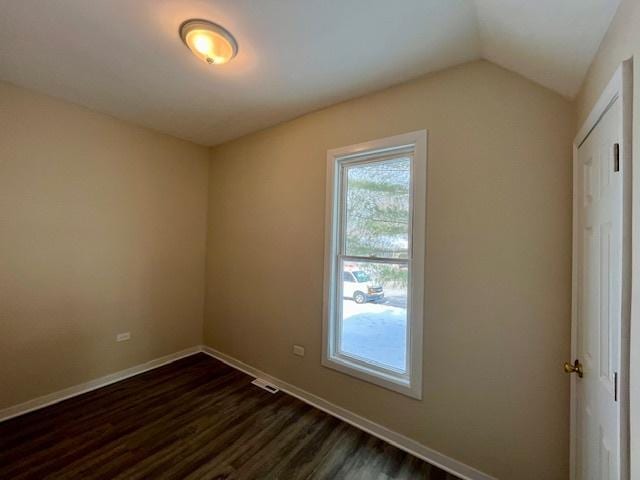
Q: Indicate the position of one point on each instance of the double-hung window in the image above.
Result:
(374, 272)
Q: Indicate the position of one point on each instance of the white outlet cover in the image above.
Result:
(122, 337)
(298, 350)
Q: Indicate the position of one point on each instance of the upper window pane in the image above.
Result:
(377, 208)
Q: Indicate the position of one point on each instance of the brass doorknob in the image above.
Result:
(575, 368)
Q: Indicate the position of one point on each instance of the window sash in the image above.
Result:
(365, 158)
(344, 163)
(399, 376)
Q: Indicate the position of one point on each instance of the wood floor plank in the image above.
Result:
(195, 418)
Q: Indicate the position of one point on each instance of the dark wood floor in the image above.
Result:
(195, 419)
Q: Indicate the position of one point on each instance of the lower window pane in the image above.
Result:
(373, 323)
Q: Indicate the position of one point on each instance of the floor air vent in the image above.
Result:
(265, 386)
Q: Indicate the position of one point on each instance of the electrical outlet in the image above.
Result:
(298, 350)
(123, 337)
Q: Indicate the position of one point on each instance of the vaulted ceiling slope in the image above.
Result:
(125, 58)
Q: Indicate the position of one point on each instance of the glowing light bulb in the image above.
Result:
(203, 44)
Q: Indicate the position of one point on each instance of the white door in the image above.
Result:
(599, 303)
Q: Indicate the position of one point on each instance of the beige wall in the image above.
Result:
(621, 42)
(102, 230)
(498, 263)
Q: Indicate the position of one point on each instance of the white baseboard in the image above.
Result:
(404, 443)
(60, 395)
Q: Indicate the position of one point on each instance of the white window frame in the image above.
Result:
(410, 383)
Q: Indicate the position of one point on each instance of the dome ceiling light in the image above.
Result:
(208, 41)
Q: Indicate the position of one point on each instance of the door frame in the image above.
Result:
(620, 87)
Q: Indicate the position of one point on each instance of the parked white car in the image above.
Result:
(358, 286)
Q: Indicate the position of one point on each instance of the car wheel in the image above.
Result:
(359, 297)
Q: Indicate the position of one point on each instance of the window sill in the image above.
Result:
(371, 375)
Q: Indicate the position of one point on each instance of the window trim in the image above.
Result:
(409, 384)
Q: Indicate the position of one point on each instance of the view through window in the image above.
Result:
(376, 210)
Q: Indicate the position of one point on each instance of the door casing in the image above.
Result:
(620, 86)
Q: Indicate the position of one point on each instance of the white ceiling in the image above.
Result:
(551, 42)
(125, 58)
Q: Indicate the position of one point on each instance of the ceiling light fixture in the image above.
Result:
(208, 41)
